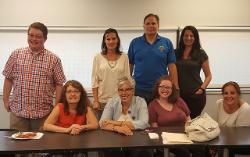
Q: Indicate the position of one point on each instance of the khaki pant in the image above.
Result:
(26, 124)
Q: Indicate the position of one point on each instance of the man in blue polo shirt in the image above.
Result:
(150, 57)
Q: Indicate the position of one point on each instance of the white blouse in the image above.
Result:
(237, 119)
(106, 74)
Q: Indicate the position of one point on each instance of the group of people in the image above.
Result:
(166, 88)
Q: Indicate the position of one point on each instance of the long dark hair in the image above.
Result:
(174, 95)
(181, 45)
(82, 104)
(104, 46)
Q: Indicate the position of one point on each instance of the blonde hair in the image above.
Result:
(128, 80)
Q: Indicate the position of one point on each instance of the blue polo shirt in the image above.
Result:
(150, 60)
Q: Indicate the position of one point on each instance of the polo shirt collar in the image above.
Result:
(157, 37)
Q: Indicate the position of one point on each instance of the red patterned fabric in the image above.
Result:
(34, 78)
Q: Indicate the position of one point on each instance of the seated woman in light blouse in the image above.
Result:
(125, 112)
(232, 111)
(73, 114)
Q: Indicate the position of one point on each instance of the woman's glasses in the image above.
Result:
(125, 90)
(165, 87)
(73, 92)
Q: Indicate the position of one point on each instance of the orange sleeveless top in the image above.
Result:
(66, 120)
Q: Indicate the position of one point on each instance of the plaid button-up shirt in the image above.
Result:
(34, 78)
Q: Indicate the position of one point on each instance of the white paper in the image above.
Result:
(153, 135)
(176, 138)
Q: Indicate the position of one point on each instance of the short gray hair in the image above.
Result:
(130, 81)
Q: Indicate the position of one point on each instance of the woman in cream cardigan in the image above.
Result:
(232, 111)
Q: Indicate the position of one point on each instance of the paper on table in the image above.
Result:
(176, 138)
(153, 135)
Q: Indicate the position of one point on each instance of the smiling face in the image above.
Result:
(125, 92)
(165, 89)
(230, 96)
(72, 95)
(111, 41)
(188, 38)
(36, 39)
(151, 26)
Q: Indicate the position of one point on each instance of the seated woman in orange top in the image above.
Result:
(73, 114)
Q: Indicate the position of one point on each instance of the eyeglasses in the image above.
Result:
(165, 87)
(126, 90)
(35, 36)
(73, 92)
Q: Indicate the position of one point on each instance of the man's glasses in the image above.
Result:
(35, 36)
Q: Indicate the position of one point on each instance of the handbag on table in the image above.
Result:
(202, 128)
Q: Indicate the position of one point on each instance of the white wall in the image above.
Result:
(124, 12)
(77, 46)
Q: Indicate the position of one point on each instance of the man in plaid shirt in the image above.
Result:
(35, 74)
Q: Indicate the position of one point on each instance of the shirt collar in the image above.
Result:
(157, 37)
(42, 51)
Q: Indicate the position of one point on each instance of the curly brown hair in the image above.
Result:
(84, 101)
(175, 93)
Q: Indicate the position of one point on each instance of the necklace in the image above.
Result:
(112, 59)
(112, 64)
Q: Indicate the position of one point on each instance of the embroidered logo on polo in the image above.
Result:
(161, 48)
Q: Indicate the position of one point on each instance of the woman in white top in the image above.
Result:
(232, 111)
(108, 67)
